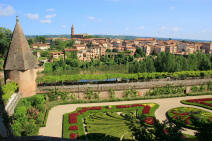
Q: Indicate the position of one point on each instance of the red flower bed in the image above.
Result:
(149, 120)
(129, 106)
(146, 110)
(188, 120)
(137, 105)
(74, 127)
(73, 136)
(122, 106)
(85, 109)
(165, 131)
(72, 119)
(201, 101)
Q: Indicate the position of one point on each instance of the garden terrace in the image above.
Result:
(64, 79)
(124, 86)
(104, 122)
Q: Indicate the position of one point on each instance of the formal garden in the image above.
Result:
(32, 113)
(101, 123)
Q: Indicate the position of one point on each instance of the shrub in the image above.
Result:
(8, 90)
(210, 86)
(89, 93)
(131, 93)
(31, 129)
(28, 116)
(112, 94)
(166, 90)
(194, 89)
(203, 87)
(17, 128)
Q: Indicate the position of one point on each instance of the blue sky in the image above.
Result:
(187, 19)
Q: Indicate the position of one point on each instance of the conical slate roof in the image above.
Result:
(20, 55)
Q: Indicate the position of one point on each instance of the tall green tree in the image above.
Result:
(5, 38)
(40, 39)
(139, 53)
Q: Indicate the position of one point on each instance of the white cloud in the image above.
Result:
(50, 10)
(126, 29)
(32, 16)
(141, 27)
(171, 8)
(91, 18)
(203, 31)
(50, 16)
(46, 21)
(163, 28)
(175, 29)
(63, 26)
(6, 10)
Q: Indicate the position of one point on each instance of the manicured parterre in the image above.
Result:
(183, 116)
(205, 103)
(104, 120)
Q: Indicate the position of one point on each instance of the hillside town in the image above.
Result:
(87, 48)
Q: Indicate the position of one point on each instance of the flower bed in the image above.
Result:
(149, 120)
(204, 102)
(182, 116)
(104, 120)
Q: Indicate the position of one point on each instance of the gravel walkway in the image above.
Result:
(54, 122)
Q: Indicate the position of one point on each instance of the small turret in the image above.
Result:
(20, 64)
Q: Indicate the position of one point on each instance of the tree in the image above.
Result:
(40, 39)
(203, 129)
(139, 53)
(150, 64)
(5, 37)
(154, 53)
(70, 43)
(108, 50)
(30, 41)
(115, 50)
(165, 131)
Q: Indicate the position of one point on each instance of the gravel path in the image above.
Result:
(54, 122)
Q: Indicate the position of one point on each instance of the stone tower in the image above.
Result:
(20, 64)
(72, 30)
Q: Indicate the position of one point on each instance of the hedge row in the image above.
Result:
(49, 79)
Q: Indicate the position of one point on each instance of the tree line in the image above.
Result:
(166, 62)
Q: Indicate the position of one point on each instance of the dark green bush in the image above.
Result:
(28, 116)
(8, 90)
(203, 88)
(194, 89)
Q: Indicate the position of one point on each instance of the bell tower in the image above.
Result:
(72, 30)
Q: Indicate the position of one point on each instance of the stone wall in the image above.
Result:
(12, 102)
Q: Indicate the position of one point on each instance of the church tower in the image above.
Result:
(20, 64)
(72, 30)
